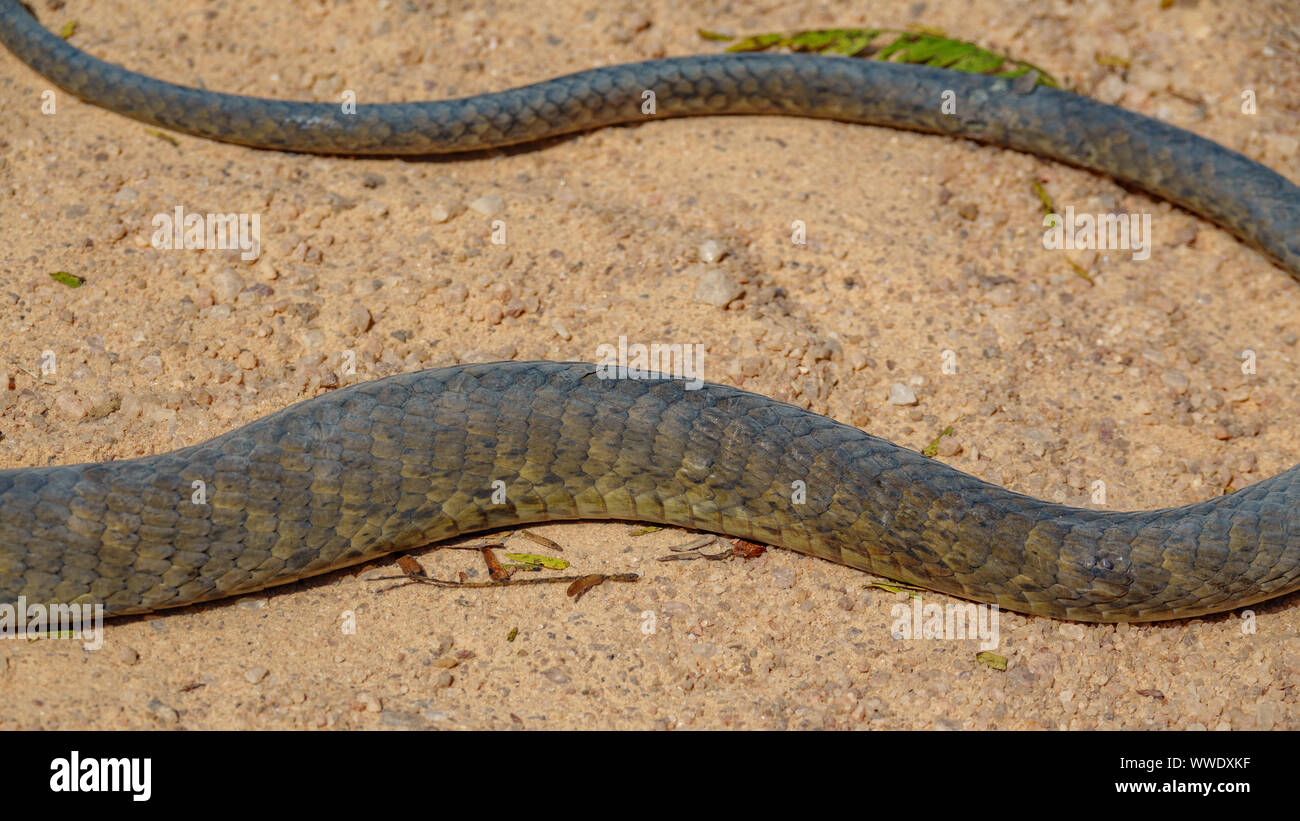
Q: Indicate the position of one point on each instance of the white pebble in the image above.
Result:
(900, 394)
(443, 211)
(489, 204)
(226, 286)
(717, 289)
(712, 251)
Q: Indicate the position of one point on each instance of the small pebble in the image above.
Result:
(1176, 381)
(676, 609)
(442, 211)
(712, 251)
(401, 720)
(489, 205)
(151, 365)
(717, 289)
(71, 406)
(163, 713)
(226, 286)
(949, 446)
(556, 676)
(900, 394)
(358, 320)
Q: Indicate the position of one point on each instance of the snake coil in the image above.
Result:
(410, 459)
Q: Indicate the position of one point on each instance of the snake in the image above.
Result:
(417, 458)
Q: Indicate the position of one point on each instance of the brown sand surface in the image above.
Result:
(916, 245)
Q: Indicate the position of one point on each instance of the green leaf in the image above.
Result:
(759, 42)
(993, 660)
(978, 62)
(819, 41)
(923, 46)
(70, 280)
(532, 558)
(1045, 198)
(897, 587)
(162, 135)
(932, 449)
(715, 36)
(855, 43)
(523, 568)
(1078, 269)
(69, 29)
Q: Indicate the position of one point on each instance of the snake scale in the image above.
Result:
(411, 459)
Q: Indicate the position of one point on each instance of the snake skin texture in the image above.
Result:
(413, 458)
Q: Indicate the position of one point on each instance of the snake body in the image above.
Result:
(415, 458)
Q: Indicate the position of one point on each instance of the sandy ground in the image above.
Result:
(916, 245)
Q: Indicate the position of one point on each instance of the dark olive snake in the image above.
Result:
(412, 459)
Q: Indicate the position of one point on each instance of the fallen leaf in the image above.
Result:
(409, 566)
(532, 558)
(747, 549)
(495, 571)
(580, 587)
(70, 280)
